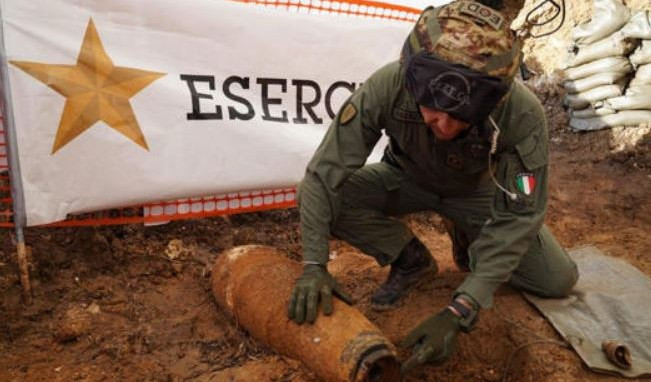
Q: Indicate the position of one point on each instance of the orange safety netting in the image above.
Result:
(362, 8)
(215, 205)
(6, 203)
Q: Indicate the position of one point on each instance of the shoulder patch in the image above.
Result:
(526, 183)
(347, 114)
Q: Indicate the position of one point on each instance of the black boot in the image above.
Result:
(413, 263)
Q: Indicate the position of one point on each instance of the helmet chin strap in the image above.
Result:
(496, 133)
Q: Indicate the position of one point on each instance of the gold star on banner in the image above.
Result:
(95, 90)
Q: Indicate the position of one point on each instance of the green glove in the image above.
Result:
(433, 340)
(313, 285)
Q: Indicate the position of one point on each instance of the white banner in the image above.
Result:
(122, 102)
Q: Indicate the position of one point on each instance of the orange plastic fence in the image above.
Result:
(6, 204)
(227, 204)
(348, 7)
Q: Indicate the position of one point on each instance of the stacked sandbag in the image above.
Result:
(602, 82)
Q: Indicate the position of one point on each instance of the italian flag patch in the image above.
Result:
(526, 183)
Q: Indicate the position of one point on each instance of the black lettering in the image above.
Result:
(328, 97)
(449, 90)
(196, 96)
(309, 106)
(266, 101)
(232, 112)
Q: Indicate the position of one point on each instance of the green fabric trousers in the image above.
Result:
(375, 194)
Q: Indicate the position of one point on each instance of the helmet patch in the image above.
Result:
(485, 14)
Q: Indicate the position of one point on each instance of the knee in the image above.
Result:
(356, 191)
(562, 282)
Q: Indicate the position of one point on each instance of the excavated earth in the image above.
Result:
(133, 303)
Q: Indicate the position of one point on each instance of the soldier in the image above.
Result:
(467, 141)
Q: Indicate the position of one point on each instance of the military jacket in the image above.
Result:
(453, 168)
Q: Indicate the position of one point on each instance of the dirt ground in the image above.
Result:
(133, 303)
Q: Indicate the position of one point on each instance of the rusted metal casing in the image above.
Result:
(254, 282)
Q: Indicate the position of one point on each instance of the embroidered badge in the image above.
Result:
(455, 161)
(476, 150)
(526, 183)
(483, 13)
(349, 112)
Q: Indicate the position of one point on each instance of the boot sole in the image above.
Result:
(426, 275)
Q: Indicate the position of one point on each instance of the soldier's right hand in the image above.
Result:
(314, 285)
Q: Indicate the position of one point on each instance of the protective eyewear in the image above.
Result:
(465, 94)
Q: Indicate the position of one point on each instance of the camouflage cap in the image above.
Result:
(468, 33)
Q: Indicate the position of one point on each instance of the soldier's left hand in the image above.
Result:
(433, 340)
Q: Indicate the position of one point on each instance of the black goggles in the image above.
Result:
(465, 94)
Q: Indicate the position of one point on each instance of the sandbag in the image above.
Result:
(607, 17)
(639, 26)
(642, 54)
(638, 90)
(608, 64)
(582, 100)
(623, 118)
(614, 45)
(599, 79)
(642, 76)
(635, 98)
(591, 112)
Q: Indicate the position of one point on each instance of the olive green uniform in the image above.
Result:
(342, 196)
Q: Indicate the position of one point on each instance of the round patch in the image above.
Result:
(450, 91)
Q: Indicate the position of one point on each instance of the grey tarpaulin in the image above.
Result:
(611, 301)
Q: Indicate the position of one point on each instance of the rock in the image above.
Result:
(93, 308)
(74, 323)
(177, 250)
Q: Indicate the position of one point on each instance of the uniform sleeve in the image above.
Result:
(507, 235)
(345, 147)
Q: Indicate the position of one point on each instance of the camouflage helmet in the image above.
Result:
(467, 33)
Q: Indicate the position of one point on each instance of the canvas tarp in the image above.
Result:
(609, 302)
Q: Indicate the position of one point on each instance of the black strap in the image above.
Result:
(468, 317)
(461, 308)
